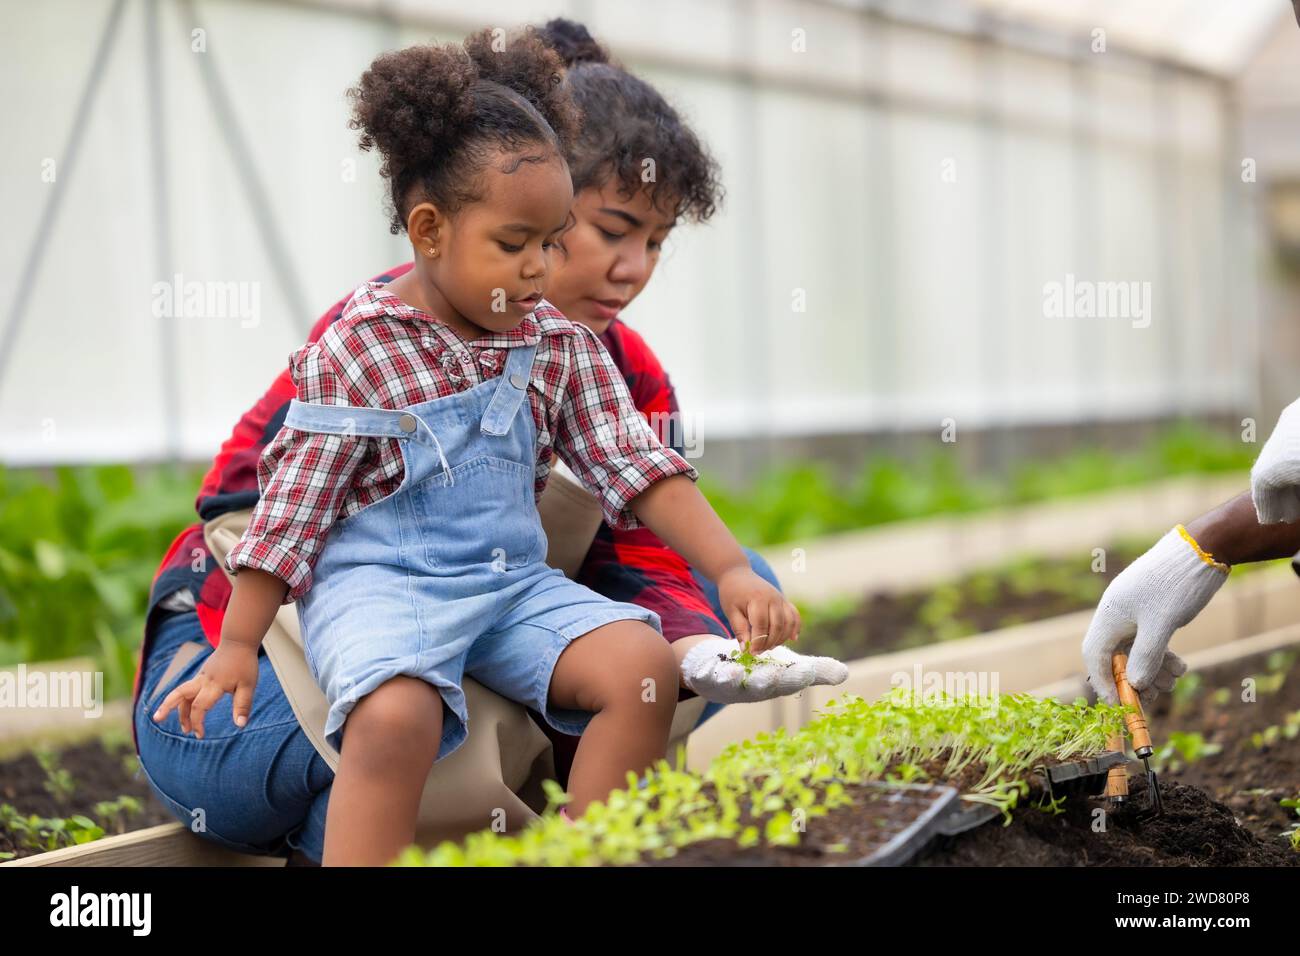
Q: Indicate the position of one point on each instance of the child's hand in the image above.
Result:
(232, 669)
(758, 612)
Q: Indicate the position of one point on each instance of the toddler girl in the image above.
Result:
(400, 512)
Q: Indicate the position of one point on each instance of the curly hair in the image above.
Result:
(439, 113)
(625, 123)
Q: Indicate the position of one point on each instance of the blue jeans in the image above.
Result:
(261, 789)
(265, 788)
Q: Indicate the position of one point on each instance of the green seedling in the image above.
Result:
(776, 777)
(58, 781)
(1184, 748)
(1053, 806)
(1185, 691)
(1293, 834)
(43, 834)
(113, 814)
(1281, 661)
(749, 660)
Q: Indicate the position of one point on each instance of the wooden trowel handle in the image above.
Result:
(1117, 778)
(1136, 719)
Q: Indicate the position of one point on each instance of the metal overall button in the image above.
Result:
(407, 423)
(518, 380)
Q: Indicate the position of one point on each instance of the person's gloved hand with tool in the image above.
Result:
(1170, 584)
(1149, 600)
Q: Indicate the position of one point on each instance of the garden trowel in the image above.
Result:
(1117, 781)
(1106, 772)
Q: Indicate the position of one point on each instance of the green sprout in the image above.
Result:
(1293, 834)
(1184, 748)
(753, 792)
(749, 660)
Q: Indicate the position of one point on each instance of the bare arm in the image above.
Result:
(674, 509)
(232, 668)
(1232, 534)
(255, 598)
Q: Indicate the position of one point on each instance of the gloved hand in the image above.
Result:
(709, 670)
(1140, 610)
(1275, 477)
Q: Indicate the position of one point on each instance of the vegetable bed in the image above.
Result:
(1226, 766)
(795, 799)
(800, 800)
(56, 798)
(1243, 753)
(1018, 592)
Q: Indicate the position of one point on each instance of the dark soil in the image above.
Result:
(1220, 810)
(1248, 779)
(1194, 830)
(98, 772)
(1025, 590)
(1016, 593)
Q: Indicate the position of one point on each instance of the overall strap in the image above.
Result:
(350, 420)
(512, 387)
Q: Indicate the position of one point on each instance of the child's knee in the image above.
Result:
(649, 669)
(404, 711)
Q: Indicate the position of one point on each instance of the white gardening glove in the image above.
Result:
(1275, 477)
(780, 672)
(1149, 600)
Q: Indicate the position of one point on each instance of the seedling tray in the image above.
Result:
(1087, 777)
(928, 808)
(968, 818)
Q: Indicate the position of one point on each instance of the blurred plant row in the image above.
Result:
(79, 545)
(802, 501)
(78, 552)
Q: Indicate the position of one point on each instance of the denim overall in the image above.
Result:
(447, 575)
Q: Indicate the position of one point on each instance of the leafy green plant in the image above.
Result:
(48, 833)
(1183, 747)
(78, 550)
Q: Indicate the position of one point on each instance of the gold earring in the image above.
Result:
(433, 251)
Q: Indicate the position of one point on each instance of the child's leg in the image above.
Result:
(390, 743)
(627, 676)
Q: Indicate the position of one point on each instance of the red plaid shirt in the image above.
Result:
(383, 353)
(624, 565)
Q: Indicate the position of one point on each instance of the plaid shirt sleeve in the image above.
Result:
(303, 478)
(604, 439)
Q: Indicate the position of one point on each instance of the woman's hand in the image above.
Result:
(758, 612)
(231, 669)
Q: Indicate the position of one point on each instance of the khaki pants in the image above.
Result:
(498, 773)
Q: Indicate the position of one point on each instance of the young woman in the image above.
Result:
(265, 784)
